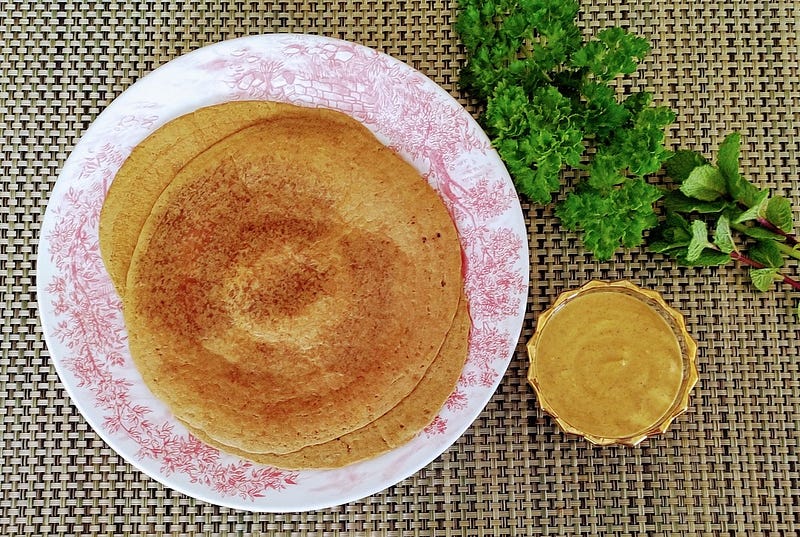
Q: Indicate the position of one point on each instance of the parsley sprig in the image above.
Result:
(717, 216)
(548, 99)
(550, 103)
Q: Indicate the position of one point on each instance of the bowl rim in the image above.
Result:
(676, 321)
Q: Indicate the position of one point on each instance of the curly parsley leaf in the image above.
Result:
(615, 51)
(610, 219)
(548, 97)
(604, 112)
(675, 200)
(516, 42)
(637, 150)
(535, 136)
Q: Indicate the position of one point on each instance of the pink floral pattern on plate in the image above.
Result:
(81, 313)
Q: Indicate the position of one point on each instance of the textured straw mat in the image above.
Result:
(728, 467)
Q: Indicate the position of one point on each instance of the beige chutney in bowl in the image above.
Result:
(612, 362)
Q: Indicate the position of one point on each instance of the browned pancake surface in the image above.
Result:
(398, 426)
(293, 283)
(154, 162)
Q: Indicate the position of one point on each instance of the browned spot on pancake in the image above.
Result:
(274, 279)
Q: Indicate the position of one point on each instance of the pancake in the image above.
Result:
(398, 426)
(292, 283)
(153, 164)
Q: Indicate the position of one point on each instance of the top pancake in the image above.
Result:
(292, 283)
(154, 162)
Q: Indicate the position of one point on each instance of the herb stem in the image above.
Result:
(755, 264)
(788, 250)
(782, 246)
(746, 260)
(790, 239)
(788, 280)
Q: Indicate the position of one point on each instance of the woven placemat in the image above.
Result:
(729, 466)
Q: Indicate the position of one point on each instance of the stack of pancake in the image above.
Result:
(292, 288)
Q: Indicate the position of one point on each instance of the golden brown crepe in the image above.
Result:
(292, 284)
(398, 426)
(154, 162)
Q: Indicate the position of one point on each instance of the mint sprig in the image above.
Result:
(750, 225)
(550, 102)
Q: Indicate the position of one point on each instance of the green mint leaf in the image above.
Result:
(677, 221)
(763, 278)
(704, 183)
(767, 253)
(675, 200)
(758, 232)
(779, 213)
(739, 188)
(728, 157)
(723, 238)
(707, 258)
(673, 233)
(699, 241)
(681, 164)
(744, 191)
(749, 194)
(757, 210)
(663, 247)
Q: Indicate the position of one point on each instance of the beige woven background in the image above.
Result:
(728, 467)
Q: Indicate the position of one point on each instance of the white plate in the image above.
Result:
(81, 313)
